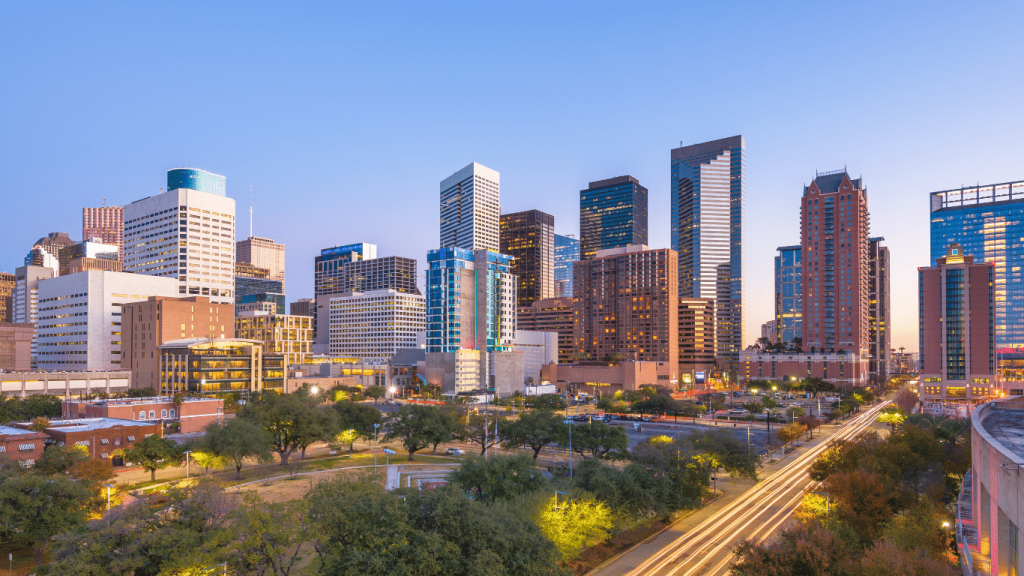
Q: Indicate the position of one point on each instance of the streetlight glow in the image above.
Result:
(314, 390)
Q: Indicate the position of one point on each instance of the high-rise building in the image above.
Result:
(264, 253)
(303, 307)
(198, 180)
(613, 214)
(251, 279)
(770, 332)
(626, 307)
(7, 282)
(105, 223)
(470, 208)
(51, 251)
(268, 302)
(184, 234)
(25, 302)
(529, 237)
(707, 231)
(90, 255)
(788, 294)
(148, 324)
(281, 334)
(329, 275)
(567, 253)
(373, 326)
(696, 340)
(987, 222)
(835, 249)
(878, 310)
(957, 320)
(16, 347)
(550, 315)
(80, 317)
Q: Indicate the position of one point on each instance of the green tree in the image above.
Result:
(375, 392)
(753, 407)
(60, 458)
(415, 426)
(499, 477)
(574, 524)
(732, 454)
(155, 453)
(321, 426)
(266, 538)
(342, 439)
(358, 417)
(34, 508)
(290, 419)
(599, 439)
(535, 429)
(444, 429)
(548, 402)
(892, 416)
(235, 441)
(482, 430)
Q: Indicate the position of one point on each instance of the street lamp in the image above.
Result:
(392, 390)
(375, 428)
(314, 390)
(388, 452)
(108, 487)
(569, 422)
(187, 452)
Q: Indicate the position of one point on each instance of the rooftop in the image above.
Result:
(1006, 425)
(89, 424)
(139, 401)
(10, 431)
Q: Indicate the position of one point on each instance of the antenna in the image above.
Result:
(250, 210)
(104, 200)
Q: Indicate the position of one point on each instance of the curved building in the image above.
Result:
(196, 179)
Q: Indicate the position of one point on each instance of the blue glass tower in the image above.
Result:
(788, 294)
(471, 301)
(613, 214)
(196, 179)
(567, 252)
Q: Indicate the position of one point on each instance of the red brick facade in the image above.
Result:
(193, 413)
(25, 446)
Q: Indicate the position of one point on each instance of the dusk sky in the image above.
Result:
(345, 118)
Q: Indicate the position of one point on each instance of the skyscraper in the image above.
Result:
(25, 301)
(707, 188)
(470, 208)
(184, 234)
(329, 266)
(471, 300)
(551, 315)
(7, 296)
(265, 253)
(878, 310)
(529, 237)
(196, 179)
(613, 214)
(105, 223)
(51, 251)
(788, 294)
(567, 253)
(696, 340)
(988, 221)
(835, 248)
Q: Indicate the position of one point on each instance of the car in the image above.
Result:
(737, 411)
(455, 452)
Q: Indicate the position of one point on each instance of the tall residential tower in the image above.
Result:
(470, 208)
(105, 223)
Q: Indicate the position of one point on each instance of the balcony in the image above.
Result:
(967, 541)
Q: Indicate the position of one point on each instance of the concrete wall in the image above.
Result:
(997, 456)
(66, 384)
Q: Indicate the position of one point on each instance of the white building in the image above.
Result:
(186, 235)
(373, 325)
(471, 209)
(538, 348)
(25, 300)
(79, 325)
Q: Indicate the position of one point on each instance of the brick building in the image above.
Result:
(25, 446)
(845, 369)
(102, 437)
(551, 315)
(193, 413)
(601, 380)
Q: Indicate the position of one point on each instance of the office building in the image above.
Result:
(956, 329)
(551, 315)
(707, 189)
(344, 269)
(198, 180)
(878, 310)
(7, 283)
(16, 347)
(65, 384)
(372, 326)
(329, 267)
(147, 324)
(538, 349)
(252, 281)
(613, 214)
(567, 253)
(105, 223)
(281, 334)
(80, 317)
(187, 235)
(987, 222)
(25, 302)
(696, 340)
(845, 370)
(470, 208)
(529, 237)
(268, 302)
(769, 332)
(303, 307)
(627, 307)
(217, 366)
(788, 294)
(89, 254)
(903, 363)
(835, 249)
(51, 251)
(262, 253)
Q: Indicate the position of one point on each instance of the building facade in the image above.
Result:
(105, 223)
(843, 370)
(198, 180)
(24, 446)
(373, 326)
(836, 252)
(470, 209)
(551, 315)
(193, 414)
(263, 253)
(303, 307)
(329, 275)
(789, 294)
(567, 253)
(50, 251)
(538, 349)
(707, 189)
(626, 307)
(281, 334)
(25, 302)
(16, 347)
(613, 214)
(879, 327)
(187, 235)
(696, 340)
(64, 384)
(7, 283)
(148, 324)
(217, 366)
(957, 329)
(471, 301)
(529, 237)
(103, 438)
(770, 332)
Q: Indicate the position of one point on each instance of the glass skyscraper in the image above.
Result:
(529, 237)
(613, 214)
(988, 223)
(788, 279)
(707, 231)
(567, 252)
(196, 179)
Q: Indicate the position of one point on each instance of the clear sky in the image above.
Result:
(346, 117)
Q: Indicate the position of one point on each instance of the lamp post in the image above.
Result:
(387, 464)
(375, 428)
(187, 453)
(569, 422)
(392, 390)
(108, 487)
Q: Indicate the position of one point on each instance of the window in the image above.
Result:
(1014, 541)
(82, 443)
(131, 438)
(172, 412)
(163, 413)
(152, 413)
(104, 441)
(142, 414)
(103, 455)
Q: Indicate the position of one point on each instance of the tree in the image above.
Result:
(794, 412)
(535, 429)
(290, 419)
(93, 474)
(375, 392)
(551, 402)
(444, 429)
(805, 550)
(861, 500)
(342, 439)
(39, 424)
(358, 417)
(574, 524)
(34, 508)
(321, 426)
(892, 416)
(599, 439)
(499, 478)
(155, 453)
(768, 402)
(753, 407)
(482, 430)
(236, 440)
(809, 423)
(414, 425)
(60, 458)
(788, 433)
(267, 538)
(731, 453)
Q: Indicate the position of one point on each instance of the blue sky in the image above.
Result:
(345, 117)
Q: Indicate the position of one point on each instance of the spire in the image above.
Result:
(250, 210)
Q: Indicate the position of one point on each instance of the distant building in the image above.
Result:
(626, 376)
(843, 370)
(613, 214)
(197, 366)
(470, 208)
(879, 325)
(263, 253)
(90, 255)
(567, 253)
(196, 179)
(16, 347)
(538, 349)
(267, 302)
(529, 237)
(788, 294)
(105, 223)
(770, 332)
(25, 446)
(373, 326)
(193, 414)
(329, 273)
(551, 315)
(303, 307)
(103, 438)
(696, 340)
(281, 334)
(903, 363)
(51, 252)
(256, 291)
(7, 283)
(25, 302)
(148, 324)
(66, 384)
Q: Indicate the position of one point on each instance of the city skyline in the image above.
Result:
(905, 157)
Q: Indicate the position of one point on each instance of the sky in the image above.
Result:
(345, 117)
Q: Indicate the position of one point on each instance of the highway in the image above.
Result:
(706, 550)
